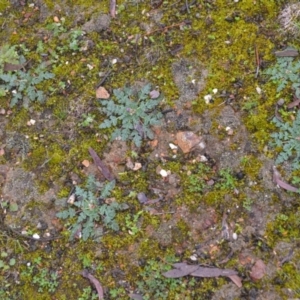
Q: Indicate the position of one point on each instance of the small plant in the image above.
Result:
(153, 285)
(131, 223)
(227, 180)
(285, 71)
(195, 184)
(4, 264)
(8, 54)
(117, 293)
(88, 294)
(45, 279)
(57, 28)
(73, 42)
(247, 203)
(133, 114)
(88, 120)
(288, 139)
(23, 85)
(90, 209)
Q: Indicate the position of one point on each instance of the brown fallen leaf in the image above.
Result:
(12, 67)
(101, 165)
(95, 282)
(258, 271)
(288, 52)
(293, 104)
(213, 272)
(181, 269)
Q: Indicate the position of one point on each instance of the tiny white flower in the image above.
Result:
(234, 236)
(114, 61)
(215, 91)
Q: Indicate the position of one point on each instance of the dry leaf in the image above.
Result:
(101, 165)
(236, 279)
(95, 282)
(102, 93)
(181, 270)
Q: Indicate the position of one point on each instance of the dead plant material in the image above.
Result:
(288, 52)
(183, 269)
(101, 165)
(293, 104)
(112, 8)
(287, 258)
(289, 18)
(95, 282)
(282, 184)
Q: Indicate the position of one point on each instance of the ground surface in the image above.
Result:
(215, 206)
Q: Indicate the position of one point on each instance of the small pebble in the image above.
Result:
(193, 257)
(36, 236)
(173, 147)
(163, 173)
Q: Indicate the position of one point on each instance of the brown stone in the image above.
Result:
(187, 140)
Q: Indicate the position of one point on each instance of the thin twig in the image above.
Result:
(257, 62)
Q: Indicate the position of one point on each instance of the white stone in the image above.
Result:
(258, 89)
(234, 236)
(203, 158)
(163, 173)
(207, 98)
(193, 257)
(36, 236)
(173, 147)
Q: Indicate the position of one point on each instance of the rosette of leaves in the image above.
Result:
(89, 208)
(132, 114)
(285, 73)
(288, 140)
(22, 86)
